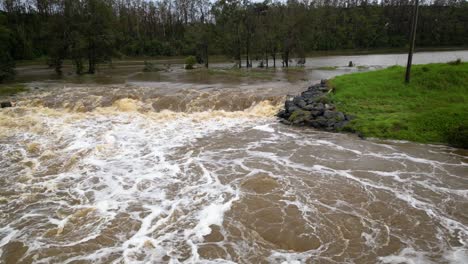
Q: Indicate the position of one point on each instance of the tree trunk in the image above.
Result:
(92, 67)
(238, 55)
(206, 55)
(248, 63)
(91, 63)
(239, 58)
(78, 66)
(247, 55)
(58, 67)
(286, 58)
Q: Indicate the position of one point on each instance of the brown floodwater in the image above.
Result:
(193, 167)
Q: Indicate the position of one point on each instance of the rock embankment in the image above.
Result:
(313, 108)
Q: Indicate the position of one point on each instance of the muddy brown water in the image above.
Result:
(180, 167)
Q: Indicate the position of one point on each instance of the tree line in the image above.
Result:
(89, 32)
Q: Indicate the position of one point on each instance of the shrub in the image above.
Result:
(12, 89)
(189, 62)
(7, 70)
(150, 67)
(7, 64)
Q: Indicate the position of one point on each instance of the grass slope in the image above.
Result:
(433, 108)
(11, 89)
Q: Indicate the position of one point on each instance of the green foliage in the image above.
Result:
(150, 67)
(92, 31)
(189, 62)
(7, 63)
(11, 89)
(432, 108)
(298, 116)
(81, 31)
(147, 47)
(323, 99)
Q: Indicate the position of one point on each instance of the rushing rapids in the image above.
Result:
(117, 174)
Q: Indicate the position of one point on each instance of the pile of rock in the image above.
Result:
(313, 108)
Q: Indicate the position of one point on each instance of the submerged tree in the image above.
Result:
(81, 31)
(98, 32)
(228, 17)
(7, 62)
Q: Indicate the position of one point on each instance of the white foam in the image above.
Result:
(457, 256)
(172, 180)
(265, 128)
(407, 255)
(210, 215)
(9, 234)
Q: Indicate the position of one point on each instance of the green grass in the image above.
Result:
(10, 89)
(433, 108)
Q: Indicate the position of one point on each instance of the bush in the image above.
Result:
(12, 89)
(150, 67)
(189, 62)
(7, 67)
(7, 63)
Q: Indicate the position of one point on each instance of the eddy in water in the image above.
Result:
(134, 174)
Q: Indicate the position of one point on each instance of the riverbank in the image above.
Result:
(139, 60)
(12, 89)
(433, 108)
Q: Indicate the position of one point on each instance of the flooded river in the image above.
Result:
(177, 167)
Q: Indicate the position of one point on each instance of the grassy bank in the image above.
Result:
(11, 89)
(433, 108)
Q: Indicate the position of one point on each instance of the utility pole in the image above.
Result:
(412, 40)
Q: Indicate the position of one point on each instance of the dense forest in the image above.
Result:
(88, 32)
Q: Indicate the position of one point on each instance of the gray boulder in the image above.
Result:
(299, 101)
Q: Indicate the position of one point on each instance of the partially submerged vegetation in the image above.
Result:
(328, 68)
(7, 62)
(433, 108)
(190, 61)
(12, 89)
(151, 67)
(251, 73)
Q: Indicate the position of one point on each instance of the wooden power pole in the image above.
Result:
(412, 40)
